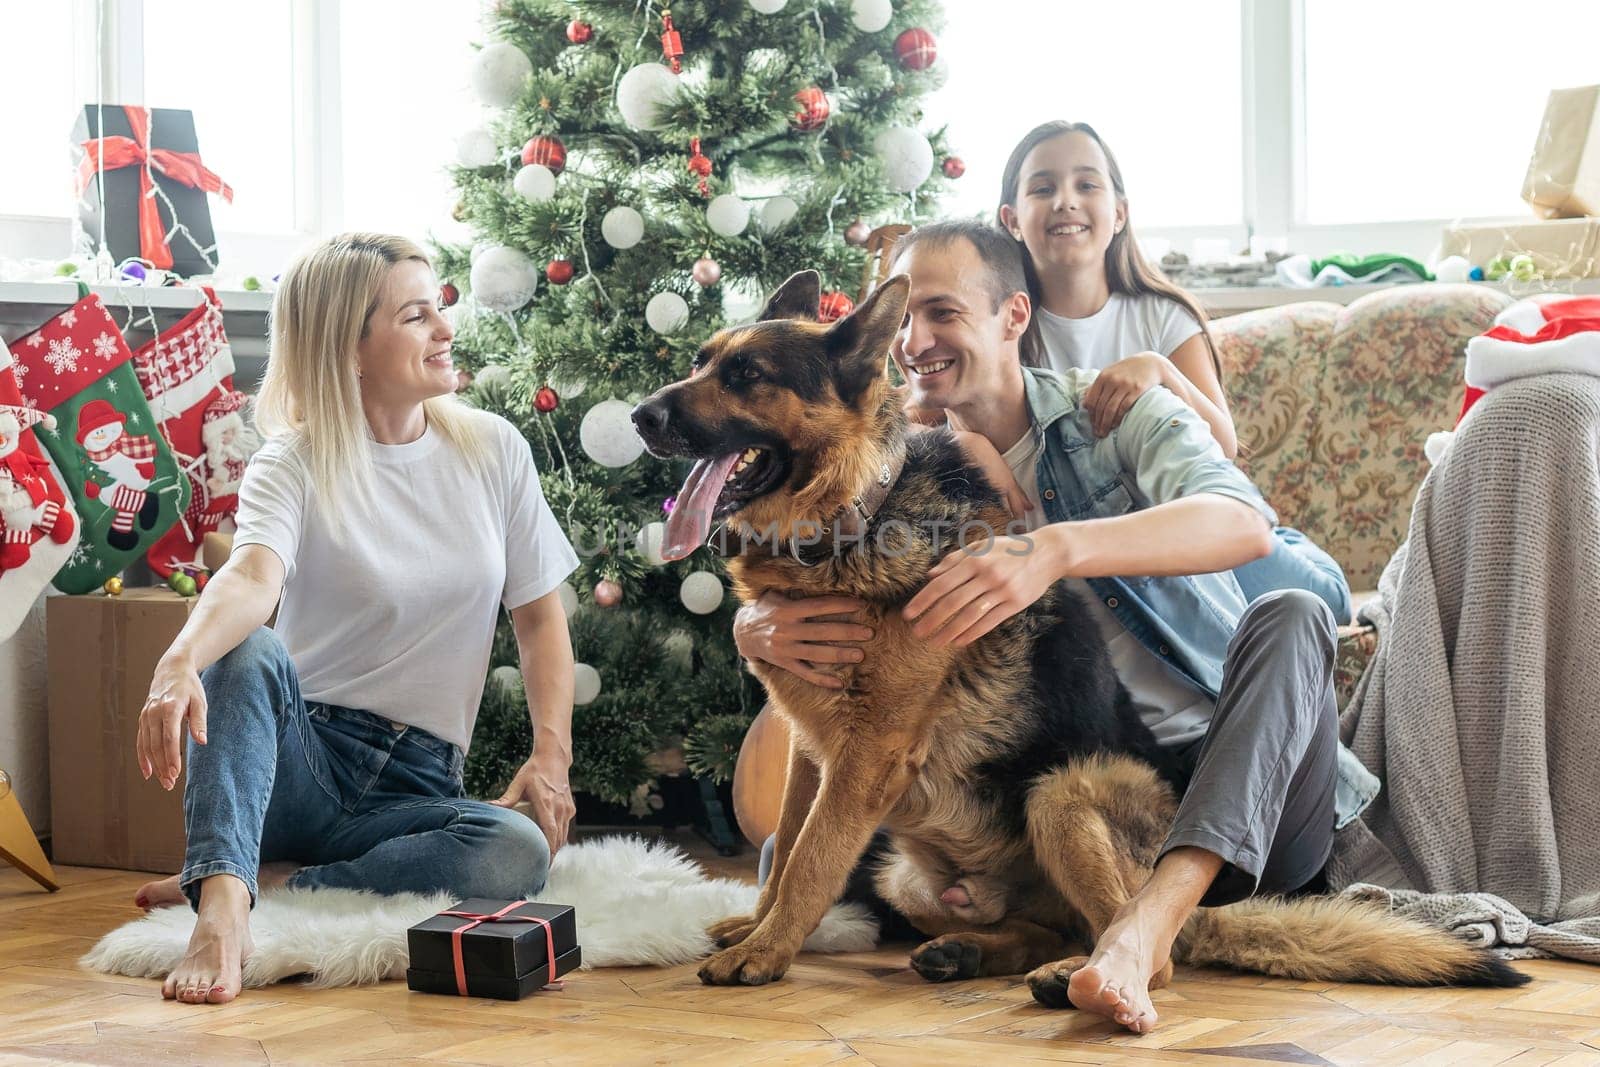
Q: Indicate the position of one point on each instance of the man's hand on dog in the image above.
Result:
(801, 636)
(969, 593)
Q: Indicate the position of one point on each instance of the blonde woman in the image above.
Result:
(388, 524)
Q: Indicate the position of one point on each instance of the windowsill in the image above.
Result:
(1234, 299)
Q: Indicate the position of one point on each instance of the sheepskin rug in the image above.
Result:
(638, 902)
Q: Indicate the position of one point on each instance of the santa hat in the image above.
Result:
(228, 403)
(14, 418)
(95, 414)
(1550, 335)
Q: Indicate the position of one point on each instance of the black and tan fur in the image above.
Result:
(1016, 767)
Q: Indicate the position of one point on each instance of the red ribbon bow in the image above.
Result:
(185, 168)
(500, 917)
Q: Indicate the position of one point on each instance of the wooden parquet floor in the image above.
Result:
(866, 1008)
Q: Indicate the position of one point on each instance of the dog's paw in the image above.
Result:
(732, 930)
(947, 958)
(1049, 983)
(746, 964)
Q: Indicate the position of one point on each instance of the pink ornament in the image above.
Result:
(857, 233)
(668, 504)
(706, 272)
(607, 594)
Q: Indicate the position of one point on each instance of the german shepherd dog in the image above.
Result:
(1015, 769)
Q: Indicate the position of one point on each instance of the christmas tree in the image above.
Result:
(643, 176)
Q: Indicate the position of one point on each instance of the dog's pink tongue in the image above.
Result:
(690, 520)
(956, 896)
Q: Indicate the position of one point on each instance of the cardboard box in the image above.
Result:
(1561, 248)
(1563, 179)
(102, 651)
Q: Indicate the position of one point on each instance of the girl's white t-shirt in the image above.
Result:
(1126, 326)
(398, 618)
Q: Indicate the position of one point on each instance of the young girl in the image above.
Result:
(1099, 305)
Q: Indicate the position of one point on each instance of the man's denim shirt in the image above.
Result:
(1162, 451)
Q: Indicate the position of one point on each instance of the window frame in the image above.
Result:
(1273, 190)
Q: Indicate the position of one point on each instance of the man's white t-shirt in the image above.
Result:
(398, 618)
(1174, 709)
(1126, 326)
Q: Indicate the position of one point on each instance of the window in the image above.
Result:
(233, 66)
(1430, 111)
(404, 99)
(39, 83)
(1167, 102)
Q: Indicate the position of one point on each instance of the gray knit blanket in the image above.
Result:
(1480, 711)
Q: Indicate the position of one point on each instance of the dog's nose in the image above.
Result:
(650, 417)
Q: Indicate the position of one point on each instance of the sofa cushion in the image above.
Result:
(1333, 406)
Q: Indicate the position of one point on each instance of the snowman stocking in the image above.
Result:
(186, 373)
(122, 477)
(38, 528)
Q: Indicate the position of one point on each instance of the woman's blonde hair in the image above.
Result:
(312, 389)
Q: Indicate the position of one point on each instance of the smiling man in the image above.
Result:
(1146, 525)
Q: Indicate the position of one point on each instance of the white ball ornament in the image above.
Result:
(476, 148)
(1452, 269)
(767, 7)
(503, 279)
(622, 227)
(907, 157)
(701, 592)
(585, 683)
(506, 679)
(648, 542)
(870, 16)
(666, 313)
(568, 596)
(607, 434)
(499, 73)
(495, 375)
(777, 213)
(535, 182)
(727, 215)
(643, 93)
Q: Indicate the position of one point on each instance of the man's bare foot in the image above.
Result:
(1115, 983)
(211, 970)
(165, 892)
(162, 893)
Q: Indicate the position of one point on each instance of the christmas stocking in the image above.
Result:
(186, 374)
(38, 528)
(123, 479)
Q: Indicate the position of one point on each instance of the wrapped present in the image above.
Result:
(503, 949)
(1559, 248)
(1563, 178)
(141, 178)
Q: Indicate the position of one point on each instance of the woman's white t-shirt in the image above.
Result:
(1126, 326)
(398, 618)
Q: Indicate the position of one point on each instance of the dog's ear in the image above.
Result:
(797, 298)
(858, 344)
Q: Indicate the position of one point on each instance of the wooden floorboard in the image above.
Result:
(849, 1009)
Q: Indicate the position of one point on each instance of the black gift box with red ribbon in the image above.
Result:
(503, 949)
(134, 151)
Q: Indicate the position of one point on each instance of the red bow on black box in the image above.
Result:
(504, 949)
(154, 185)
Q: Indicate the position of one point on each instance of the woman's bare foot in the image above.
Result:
(211, 969)
(162, 893)
(165, 892)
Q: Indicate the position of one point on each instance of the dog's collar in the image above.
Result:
(848, 526)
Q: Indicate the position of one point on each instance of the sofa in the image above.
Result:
(1332, 406)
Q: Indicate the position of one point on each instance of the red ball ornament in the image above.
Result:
(545, 400)
(834, 305)
(200, 580)
(579, 32)
(559, 271)
(916, 49)
(547, 152)
(814, 109)
(953, 167)
(448, 295)
(607, 594)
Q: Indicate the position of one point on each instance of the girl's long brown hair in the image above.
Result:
(1127, 271)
